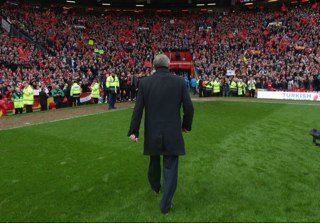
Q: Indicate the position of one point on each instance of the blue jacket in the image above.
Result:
(193, 82)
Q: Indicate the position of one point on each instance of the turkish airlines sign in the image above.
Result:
(285, 95)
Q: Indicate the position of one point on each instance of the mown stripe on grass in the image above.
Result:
(256, 100)
(63, 119)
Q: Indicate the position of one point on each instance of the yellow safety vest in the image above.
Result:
(209, 86)
(241, 88)
(112, 82)
(251, 86)
(17, 100)
(233, 85)
(95, 91)
(28, 97)
(75, 89)
(216, 87)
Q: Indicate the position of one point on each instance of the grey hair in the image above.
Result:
(161, 60)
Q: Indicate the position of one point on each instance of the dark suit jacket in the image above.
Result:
(162, 95)
(43, 97)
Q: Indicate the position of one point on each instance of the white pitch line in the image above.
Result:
(62, 119)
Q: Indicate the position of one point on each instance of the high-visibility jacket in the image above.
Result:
(95, 90)
(17, 99)
(233, 85)
(216, 87)
(251, 85)
(209, 86)
(28, 97)
(112, 82)
(75, 90)
(244, 88)
(241, 88)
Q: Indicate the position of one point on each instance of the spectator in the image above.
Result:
(123, 87)
(193, 85)
(58, 95)
(279, 50)
(43, 98)
(3, 105)
(225, 87)
(131, 88)
(2, 88)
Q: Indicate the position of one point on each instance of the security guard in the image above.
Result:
(112, 84)
(75, 93)
(95, 91)
(28, 97)
(233, 87)
(241, 88)
(209, 86)
(17, 99)
(252, 87)
(216, 87)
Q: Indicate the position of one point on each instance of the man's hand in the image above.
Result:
(133, 138)
(185, 131)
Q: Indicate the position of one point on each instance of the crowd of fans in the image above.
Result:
(279, 50)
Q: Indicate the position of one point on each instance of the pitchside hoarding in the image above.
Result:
(285, 95)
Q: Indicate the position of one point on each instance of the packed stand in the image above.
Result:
(275, 51)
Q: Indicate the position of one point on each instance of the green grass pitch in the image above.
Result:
(244, 162)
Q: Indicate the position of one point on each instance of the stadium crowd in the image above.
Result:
(271, 50)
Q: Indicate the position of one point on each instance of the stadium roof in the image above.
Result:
(158, 4)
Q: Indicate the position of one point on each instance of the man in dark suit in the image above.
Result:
(162, 95)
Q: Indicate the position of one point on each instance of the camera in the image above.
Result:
(316, 135)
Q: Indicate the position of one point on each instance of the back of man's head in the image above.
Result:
(161, 60)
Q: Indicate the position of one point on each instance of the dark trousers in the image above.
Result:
(201, 92)
(76, 101)
(105, 93)
(57, 101)
(124, 93)
(18, 110)
(29, 108)
(112, 99)
(208, 93)
(234, 92)
(70, 101)
(252, 93)
(96, 100)
(225, 92)
(194, 90)
(44, 107)
(131, 92)
(170, 175)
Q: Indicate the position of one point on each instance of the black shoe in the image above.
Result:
(114, 107)
(168, 211)
(156, 191)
